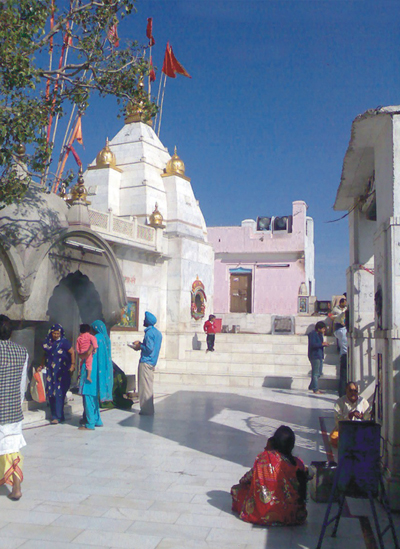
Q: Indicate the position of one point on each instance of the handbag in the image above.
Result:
(36, 387)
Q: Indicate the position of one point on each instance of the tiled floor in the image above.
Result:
(164, 482)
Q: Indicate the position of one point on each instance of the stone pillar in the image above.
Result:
(387, 297)
(360, 297)
(387, 244)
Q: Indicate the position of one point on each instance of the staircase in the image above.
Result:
(251, 360)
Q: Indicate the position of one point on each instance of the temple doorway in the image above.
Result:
(74, 301)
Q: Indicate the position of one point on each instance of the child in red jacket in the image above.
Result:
(210, 329)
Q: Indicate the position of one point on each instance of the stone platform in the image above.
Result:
(164, 482)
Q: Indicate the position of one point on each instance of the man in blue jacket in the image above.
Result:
(316, 346)
(150, 349)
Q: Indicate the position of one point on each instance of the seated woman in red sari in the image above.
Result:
(273, 492)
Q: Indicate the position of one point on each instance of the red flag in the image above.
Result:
(112, 35)
(152, 72)
(76, 156)
(176, 66)
(167, 67)
(149, 31)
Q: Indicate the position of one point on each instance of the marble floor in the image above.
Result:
(164, 482)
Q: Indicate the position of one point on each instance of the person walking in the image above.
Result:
(13, 369)
(101, 385)
(150, 349)
(316, 346)
(59, 360)
(210, 329)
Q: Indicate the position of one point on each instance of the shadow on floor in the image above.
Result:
(228, 426)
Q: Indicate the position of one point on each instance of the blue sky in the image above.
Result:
(266, 118)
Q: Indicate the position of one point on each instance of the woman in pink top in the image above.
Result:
(83, 343)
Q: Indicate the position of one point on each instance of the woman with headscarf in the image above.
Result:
(59, 360)
(100, 389)
(273, 492)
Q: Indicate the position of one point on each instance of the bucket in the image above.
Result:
(320, 486)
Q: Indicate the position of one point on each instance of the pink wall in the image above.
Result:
(274, 289)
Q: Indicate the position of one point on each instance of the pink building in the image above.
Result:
(264, 267)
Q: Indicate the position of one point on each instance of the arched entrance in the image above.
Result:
(74, 301)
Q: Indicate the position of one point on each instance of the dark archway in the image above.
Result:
(75, 301)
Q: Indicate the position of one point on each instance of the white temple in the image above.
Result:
(136, 241)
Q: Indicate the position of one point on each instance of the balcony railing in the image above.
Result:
(130, 229)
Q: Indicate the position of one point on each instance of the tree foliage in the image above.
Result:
(53, 56)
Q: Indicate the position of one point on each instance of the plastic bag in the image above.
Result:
(38, 392)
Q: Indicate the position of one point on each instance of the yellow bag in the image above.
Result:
(334, 438)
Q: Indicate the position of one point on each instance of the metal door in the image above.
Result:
(240, 293)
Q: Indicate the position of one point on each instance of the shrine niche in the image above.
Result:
(198, 305)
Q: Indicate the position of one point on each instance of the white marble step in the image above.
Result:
(299, 382)
(258, 338)
(247, 357)
(245, 368)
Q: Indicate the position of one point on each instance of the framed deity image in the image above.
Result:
(303, 304)
(129, 316)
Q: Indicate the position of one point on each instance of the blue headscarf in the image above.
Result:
(49, 341)
(104, 361)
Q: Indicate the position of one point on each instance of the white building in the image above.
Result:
(370, 191)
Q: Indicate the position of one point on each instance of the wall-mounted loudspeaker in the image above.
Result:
(263, 223)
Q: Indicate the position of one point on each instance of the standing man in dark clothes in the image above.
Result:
(316, 346)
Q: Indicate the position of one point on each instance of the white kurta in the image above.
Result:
(11, 438)
(344, 407)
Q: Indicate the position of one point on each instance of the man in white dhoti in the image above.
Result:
(13, 369)
(150, 348)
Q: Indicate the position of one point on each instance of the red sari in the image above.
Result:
(268, 494)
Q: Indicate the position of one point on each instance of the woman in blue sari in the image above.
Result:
(100, 389)
(59, 359)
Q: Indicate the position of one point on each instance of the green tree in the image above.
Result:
(53, 56)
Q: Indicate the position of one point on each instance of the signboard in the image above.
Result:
(283, 325)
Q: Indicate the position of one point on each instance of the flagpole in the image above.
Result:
(162, 103)
(150, 72)
(158, 100)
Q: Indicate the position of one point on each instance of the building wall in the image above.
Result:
(279, 262)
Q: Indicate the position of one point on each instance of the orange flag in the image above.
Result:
(77, 133)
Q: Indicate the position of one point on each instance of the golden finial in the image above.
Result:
(175, 165)
(156, 219)
(79, 192)
(135, 110)
(106, 158)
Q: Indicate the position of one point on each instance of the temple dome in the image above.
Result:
(175, 165)
(106, 158)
